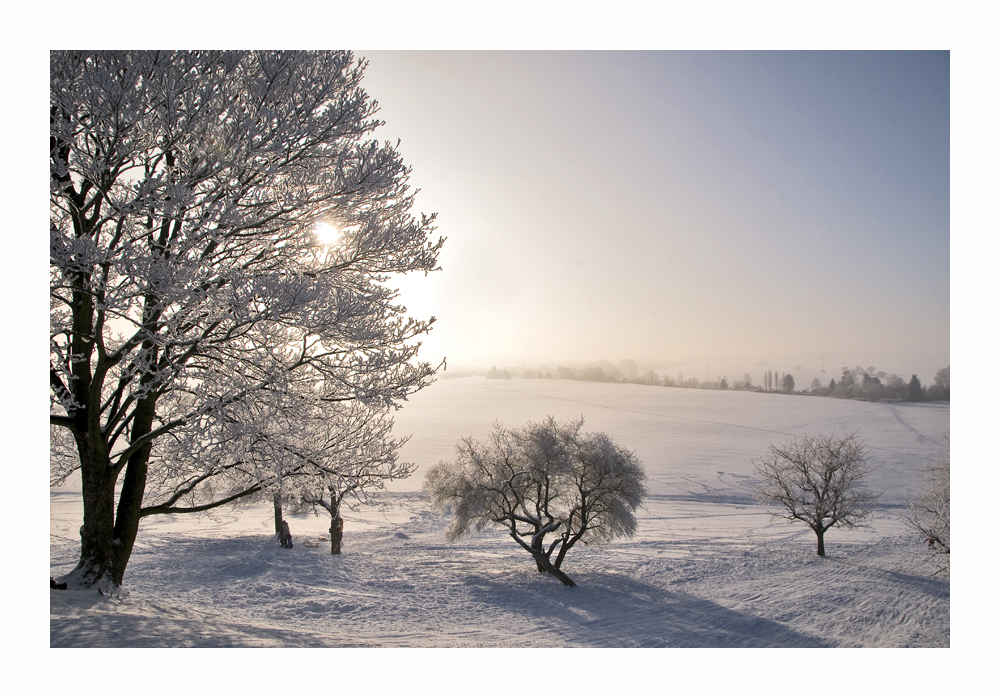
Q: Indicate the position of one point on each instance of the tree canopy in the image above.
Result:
(545, 479)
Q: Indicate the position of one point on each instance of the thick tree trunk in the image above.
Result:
(558, 574)
(96, 535)
(277, 514)
(545, 565)
(107, 536)
(336, 534)
(97, 476)
(127, 521)
(133, 489)
(820, 548)
(542, 562)
(536, 551)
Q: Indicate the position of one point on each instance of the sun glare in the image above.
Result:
(327, 232)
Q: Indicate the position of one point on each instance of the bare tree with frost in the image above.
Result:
(340, 456)
(930, 514)
(190, 289)
(817, 480)
(546, 480)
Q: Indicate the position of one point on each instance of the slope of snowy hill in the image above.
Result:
(707, 568)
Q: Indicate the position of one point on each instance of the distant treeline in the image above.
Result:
(868, 384)
(855, 384)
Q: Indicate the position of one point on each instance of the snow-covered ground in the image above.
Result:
(708, 567)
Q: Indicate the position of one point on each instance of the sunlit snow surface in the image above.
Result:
(708, 567)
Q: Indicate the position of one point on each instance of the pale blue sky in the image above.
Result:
(660, 205)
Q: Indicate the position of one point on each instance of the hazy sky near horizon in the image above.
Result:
(663, 205)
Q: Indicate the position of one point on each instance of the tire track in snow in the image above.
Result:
(834, 418)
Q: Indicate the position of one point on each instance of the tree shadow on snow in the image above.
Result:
(613, 610)
(97, 623)
(935, 586)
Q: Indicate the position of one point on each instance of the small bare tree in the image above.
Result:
(930, 514)
(337, 455)
(544, 479)
(817, 480)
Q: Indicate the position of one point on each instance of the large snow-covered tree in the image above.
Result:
(547, 478)
(819, 481)
(191, 290)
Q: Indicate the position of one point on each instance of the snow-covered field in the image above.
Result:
(708, 567)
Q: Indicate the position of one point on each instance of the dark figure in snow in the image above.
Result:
(285, 537)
